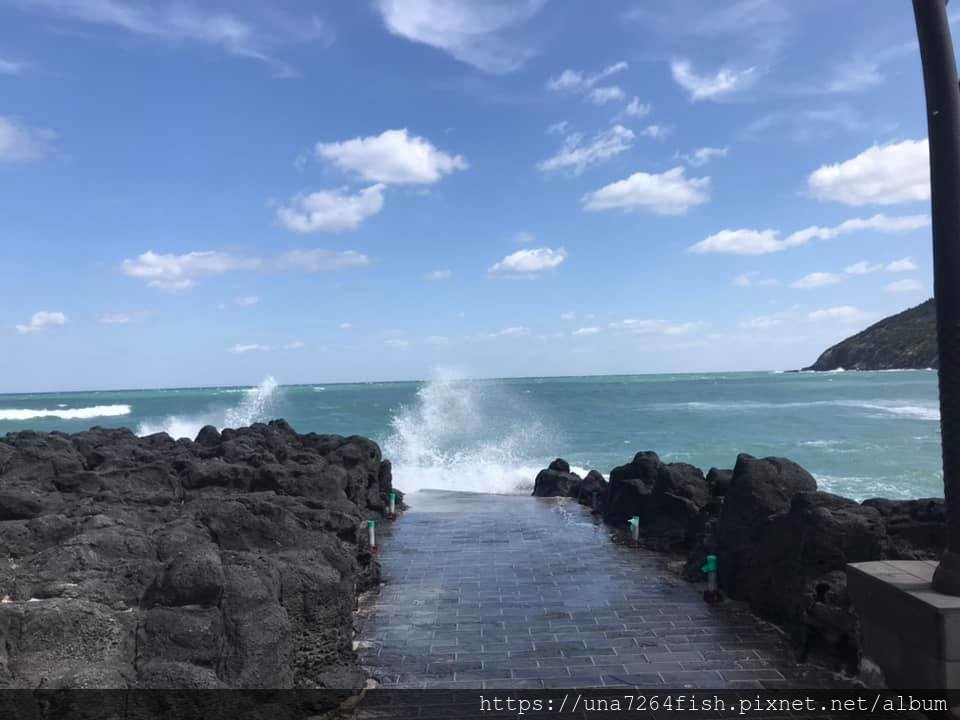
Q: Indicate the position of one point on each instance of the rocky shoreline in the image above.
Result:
(232, 561)
(781, 544)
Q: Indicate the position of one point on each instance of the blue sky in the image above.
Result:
(205, 193)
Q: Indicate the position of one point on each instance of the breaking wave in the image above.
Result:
(64, 413)
(255, 406)
(879, 408)
(466, 435)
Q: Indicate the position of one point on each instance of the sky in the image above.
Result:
(204, 193)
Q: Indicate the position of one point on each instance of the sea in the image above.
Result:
(861, 434)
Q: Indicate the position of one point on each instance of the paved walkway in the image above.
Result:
(516, 592)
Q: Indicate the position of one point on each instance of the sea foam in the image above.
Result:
(468, 436)
(255, 406)
(64, 413)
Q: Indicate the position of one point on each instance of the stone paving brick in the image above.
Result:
(524, 593)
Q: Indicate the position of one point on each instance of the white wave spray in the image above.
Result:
(471, 436)
(255, 406)
(64, 413)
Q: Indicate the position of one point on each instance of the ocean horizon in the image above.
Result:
(861, 434)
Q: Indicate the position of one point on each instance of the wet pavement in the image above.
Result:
(512, 592)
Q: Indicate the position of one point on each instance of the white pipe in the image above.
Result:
(372, 529)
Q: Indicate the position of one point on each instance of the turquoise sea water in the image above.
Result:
(861, 434)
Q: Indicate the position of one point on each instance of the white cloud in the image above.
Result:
(880, 175)
(577, 157)
(241, 349)
(762, 242)
(817, 279)
(903, 265)
(752, 279)
(178, 22)
(669, 193)
(247, 300)
(40, 320)
(438, 275)
(295, 345)
(331, 210)
(315, 261)
(123, 318)
(10, 67)
(568, 316)
(175, 273)
(739, 242)
(437, 340)
(657, 132)
(529, 262)
(19, 143)
(524, 238)
(394, 157)
(862, 268)
(516, 331)
(762, 322)
(701, 156)
(577, 81)
(844, 313)
(855, 75)
(346, 326)
(708, 87)
(559, 128)
(654, 327)
(593, 330)
(476, 32)
(637, 109)
(605, 94)
(905, 285)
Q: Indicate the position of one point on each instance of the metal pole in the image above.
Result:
(943, 130)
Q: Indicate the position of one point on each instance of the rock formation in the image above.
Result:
(907, 340)
(228, 562)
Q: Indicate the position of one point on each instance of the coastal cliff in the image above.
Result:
(905, 341)
(231, 561)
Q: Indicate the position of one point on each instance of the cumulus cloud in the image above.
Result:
(331, 210)
(843, 313)
(762, 242)
(605, 94)
(438, 275)
(903, 265)
(577, 157)
(888, 174)
(394, 157)
(701, 156)
(42, 320)
(654, 327)
(817, 279)
(515, 331)
(529, 262)
(578, 81)
(592, 330)
(21, 144)
(667, 193)
(862, 268)
(710, 86)
(657, 132)
(177, 273)
(904, 286)
(636, 109)
(762, 322)
(476, 32)
(752, 279)
(123, 318)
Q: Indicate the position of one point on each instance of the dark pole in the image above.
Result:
(943, 130)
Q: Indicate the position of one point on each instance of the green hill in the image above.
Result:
(906, 340)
